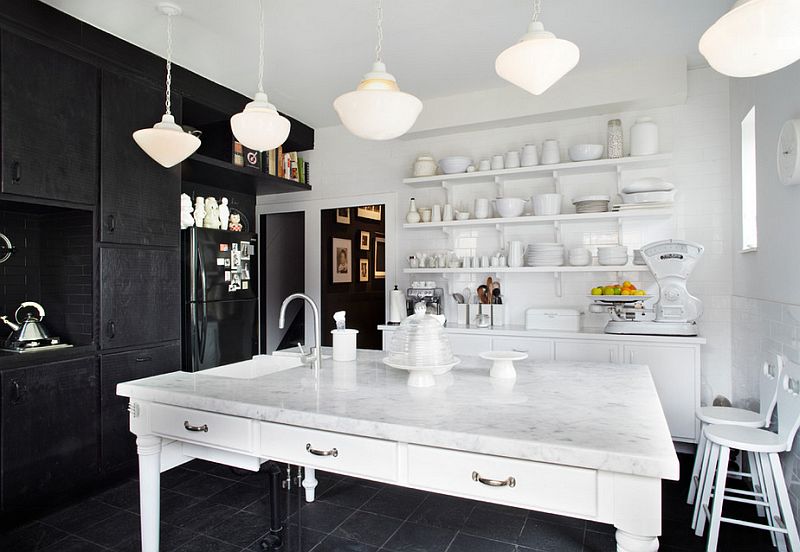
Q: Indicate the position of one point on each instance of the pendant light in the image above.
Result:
(539, 59)
(166, 142)
(754, 38)
(260, 127)
(377, 109)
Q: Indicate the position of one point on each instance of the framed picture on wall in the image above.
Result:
(364, 241)
(363, 270)
(342, 261)
(343, 215)
(370, 212)
(380, 256)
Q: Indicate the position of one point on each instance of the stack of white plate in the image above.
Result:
(591, 204)
(544, 254)
(612, 255)
(580, 256)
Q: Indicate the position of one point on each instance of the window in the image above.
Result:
(749, 210)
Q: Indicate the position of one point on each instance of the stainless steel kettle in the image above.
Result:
(30, 329)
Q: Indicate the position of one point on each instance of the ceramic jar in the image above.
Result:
(512, 159)
(614, 139)
(530, 155)
(644, 137)
(425, 165)
(497, 163)
(551, 152)
(482, 208)
(412, 217)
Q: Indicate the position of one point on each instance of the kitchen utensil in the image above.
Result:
(530, 155)
(585, 152)
(484, 165)
(546, 204)
(551, 153)
(425, 214)
(648, 184)
(644, 137)
(447, 213)
(436, 215)
(488, 287)
(413, 216)
(454, 164)
(509, 207)
(511, 159)
(459, 298)
(425, 165)
(481, 208)
(496, 299)
(467, 293)
(483, 294)
(29, 332)
(497, 163)
(503, 363)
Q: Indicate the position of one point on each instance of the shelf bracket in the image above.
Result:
(557, 182)
(501, 186)
(501, 233)
(619, 179)
(557, 278)
(447, 187)
(448, 231)
(557, 231)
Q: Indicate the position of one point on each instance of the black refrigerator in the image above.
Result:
(220, 297)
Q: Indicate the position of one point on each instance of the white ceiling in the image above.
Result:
(318, 49)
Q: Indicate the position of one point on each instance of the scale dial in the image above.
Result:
(788, 158)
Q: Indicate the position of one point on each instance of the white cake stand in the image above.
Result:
(503, 363)
(422, 376)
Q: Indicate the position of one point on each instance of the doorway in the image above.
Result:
(353, 265)
(283, 266)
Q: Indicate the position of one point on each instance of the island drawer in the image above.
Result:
(186, 424)
(327, 450)
(521, 483)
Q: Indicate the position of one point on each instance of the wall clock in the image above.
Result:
(788, 158)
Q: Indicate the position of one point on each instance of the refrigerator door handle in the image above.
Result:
(202, 269)
(203, 330)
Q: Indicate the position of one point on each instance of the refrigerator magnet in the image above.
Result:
(227, 275)
(245, 285)
(220, 261)
(227, 262)
(245, 250)
(223, 247)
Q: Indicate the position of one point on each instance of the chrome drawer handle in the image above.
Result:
(510, 482)
(190, 427)
(333, 452)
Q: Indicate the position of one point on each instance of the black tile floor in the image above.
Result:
(206, 507)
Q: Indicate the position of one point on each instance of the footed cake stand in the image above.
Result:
(503, 363)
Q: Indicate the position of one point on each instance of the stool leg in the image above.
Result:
(698, 462)
(708, 484)
(773, 510)
(719, 497)
(755, 480)
(785, 503)
(701, 481)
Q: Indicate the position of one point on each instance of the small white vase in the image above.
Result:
(644, 137)
(413, 215)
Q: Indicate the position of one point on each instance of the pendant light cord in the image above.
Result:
(379, 45)
(260, 46)
(537, 9)
(169, 63)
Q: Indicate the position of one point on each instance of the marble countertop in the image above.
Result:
(518, 330)
(594, 415)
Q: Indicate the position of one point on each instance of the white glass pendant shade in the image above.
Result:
(377, 109)
(538, 60)
(754, 38)
(260, 127)
(166, 142)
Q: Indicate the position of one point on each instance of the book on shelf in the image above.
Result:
(242, 156)
(289, 165)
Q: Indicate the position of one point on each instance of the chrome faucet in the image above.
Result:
(314, 357)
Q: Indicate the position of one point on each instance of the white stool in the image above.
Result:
(726, 415)
(763, 447)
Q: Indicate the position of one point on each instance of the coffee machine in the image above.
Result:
(432, 297)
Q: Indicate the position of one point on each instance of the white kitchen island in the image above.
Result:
(590, 441)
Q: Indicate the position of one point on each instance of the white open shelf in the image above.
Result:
(528, 269)
(556, 170)
(572, 217)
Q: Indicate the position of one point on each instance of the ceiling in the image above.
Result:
(319, 49)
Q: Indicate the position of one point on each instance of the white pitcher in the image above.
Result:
(515, 254)
(481, 208)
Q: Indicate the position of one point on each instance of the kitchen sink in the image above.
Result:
(256, 367)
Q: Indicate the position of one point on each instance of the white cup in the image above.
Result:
(484, 165)
(497, 162)
(485, 261)
(530, 155)
(551, 153)
(481, 208)
(467, 262)
(425, 214)
(437, 213)
(344, 345)
(512, 159)
(447, 214)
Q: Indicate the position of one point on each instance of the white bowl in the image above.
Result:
(585, 152)
(462, 215)
(546, 204)
(508, 207)
(454, 164)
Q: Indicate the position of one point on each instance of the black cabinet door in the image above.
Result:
(117, 443)
(138, 197)
(49, 123)
(50, 427)
(140, 296)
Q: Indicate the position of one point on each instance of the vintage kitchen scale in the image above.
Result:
(29, 333)
(675, 311)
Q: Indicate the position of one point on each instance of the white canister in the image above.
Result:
(481, 208)
(447, 213)
(512, 159)
(644, 137)
(484, 165)
(462, 311)
(551, 152)
(497, 162)
(425, 165)
(498, 315)
(436, 216)
(530, 155)
(344, 345)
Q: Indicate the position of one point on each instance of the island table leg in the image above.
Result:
(637, 512)
(149, 448)
(628, 542)
(309, 483)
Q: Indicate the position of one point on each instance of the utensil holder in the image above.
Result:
(462, 318)
(344, 345)
(498, 314)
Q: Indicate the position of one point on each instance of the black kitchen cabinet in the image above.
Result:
(48, 124)
(49, 430)
(138, 197)
(140, 296)
(117, 443)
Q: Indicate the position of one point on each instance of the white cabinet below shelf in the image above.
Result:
(586, 351)
(537, 349)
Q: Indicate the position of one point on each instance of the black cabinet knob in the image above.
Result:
(111, 223)
(17, 392)
(16, 172)
(111, 329)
